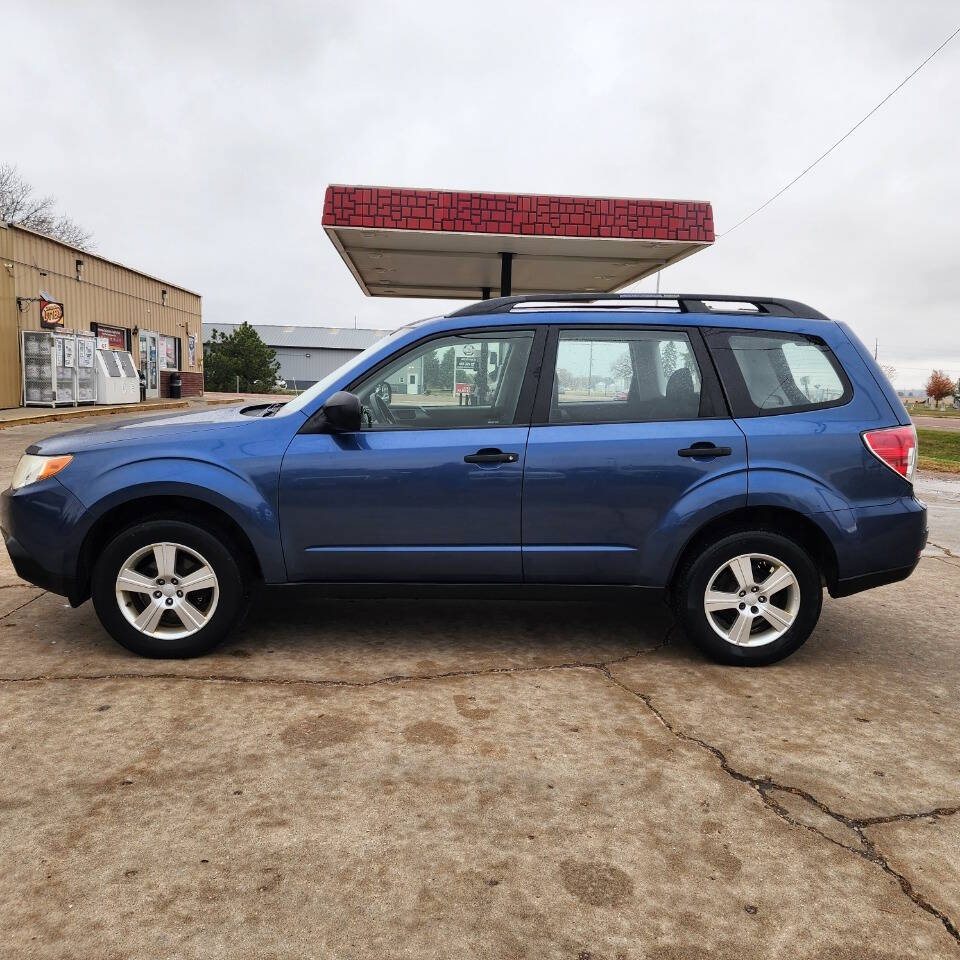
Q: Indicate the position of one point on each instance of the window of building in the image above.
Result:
(169, 352)
(611, 376)
(467, 380)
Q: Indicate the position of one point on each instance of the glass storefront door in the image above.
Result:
(149, 363)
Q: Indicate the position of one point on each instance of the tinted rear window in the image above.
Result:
(767, 373)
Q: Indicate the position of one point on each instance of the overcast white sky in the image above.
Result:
(196, 139)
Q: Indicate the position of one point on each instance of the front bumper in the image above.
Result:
(39, 523)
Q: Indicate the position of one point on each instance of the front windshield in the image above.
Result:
(303, 399)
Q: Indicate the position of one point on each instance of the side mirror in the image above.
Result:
(341, 413)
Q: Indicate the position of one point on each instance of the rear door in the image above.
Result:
(630, 448)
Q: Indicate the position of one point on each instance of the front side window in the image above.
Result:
(610, 376)
(463, 380)
(785, 372)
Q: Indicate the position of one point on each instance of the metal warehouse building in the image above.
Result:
(159, 322)
(307, 354)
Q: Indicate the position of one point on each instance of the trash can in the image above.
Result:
(143, 386)
(176, 386)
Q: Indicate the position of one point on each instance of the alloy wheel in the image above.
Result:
(167, 591)
(752, 600)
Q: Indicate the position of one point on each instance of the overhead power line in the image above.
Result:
(830, 149)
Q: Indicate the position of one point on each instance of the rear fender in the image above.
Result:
(694, 510)
(836, 517)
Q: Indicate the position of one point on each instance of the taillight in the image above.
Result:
(896, 447)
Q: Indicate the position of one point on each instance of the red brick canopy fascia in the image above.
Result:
(390, 208)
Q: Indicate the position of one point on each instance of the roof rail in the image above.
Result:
(686, 302)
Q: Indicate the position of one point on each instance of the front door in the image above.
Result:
(149, 363)
(429, 490)
(613, 474)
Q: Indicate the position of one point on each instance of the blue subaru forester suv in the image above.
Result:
(735, 454)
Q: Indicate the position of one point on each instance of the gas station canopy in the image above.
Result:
(464, 245)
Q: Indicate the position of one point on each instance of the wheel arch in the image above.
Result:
(162, 507)
(780, 520)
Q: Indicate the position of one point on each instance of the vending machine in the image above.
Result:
(117, 377)
(58, 368)
(86, 368)
(39, 380)
(65, 366)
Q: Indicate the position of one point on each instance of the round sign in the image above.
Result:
(51, 314)
(468, 350)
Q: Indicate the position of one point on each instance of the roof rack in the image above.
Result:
(686, 303)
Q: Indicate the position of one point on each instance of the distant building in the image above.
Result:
(52, 286)
(307, 354)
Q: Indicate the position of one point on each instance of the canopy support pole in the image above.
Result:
(506, 274)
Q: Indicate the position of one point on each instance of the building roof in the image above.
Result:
(448, 243)
(93, 255)
(328, 338)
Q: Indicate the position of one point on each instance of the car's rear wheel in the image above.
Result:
(751, 598)
(167, 588)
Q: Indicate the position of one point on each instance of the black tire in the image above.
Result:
(230, 603)
(691, 583)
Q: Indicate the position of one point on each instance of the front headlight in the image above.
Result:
(32, 468)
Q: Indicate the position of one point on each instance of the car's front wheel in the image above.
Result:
(751, 598)
(168, 589)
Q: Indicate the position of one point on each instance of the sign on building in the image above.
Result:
(51, 314)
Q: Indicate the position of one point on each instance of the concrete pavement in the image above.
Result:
(449, 779)
(941, 493)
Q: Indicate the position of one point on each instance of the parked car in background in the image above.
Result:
(758, 456)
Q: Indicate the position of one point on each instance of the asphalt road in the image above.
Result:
(464, 779)
(938, 423)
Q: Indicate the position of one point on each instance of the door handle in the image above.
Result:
(491, 455)
(704, 449)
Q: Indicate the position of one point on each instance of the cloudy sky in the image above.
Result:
(196, 139)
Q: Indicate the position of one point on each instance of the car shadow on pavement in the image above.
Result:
(448, 632)
(292, 634)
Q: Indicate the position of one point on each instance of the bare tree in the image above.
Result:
(21, 206)
(889, 371)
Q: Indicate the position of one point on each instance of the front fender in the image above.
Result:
(251, 507)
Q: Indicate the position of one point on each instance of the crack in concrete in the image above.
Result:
(936, 812)
(946, 550)
(25, 603)
(350, 684)
(951, 561)
(763, 785)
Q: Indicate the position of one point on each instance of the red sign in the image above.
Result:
(115, 336)
(51, 314)
(464, 388)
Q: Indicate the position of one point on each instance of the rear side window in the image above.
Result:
(768, 373)
(621, 375)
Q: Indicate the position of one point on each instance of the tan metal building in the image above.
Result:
(157, 321)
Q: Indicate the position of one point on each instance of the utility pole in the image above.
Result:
(876, 347)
